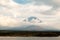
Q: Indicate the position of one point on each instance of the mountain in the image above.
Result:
(33, 19)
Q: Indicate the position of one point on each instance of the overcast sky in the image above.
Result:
(15, 13)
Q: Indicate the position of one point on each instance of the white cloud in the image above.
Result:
(56, 1)
(18, 12)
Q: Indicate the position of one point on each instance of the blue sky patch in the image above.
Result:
(22, 1)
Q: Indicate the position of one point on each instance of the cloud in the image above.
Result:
(56, 1)
(12, 14)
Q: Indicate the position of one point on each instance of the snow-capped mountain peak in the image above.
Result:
(33, 19)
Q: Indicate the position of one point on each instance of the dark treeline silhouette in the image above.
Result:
(28, 33)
